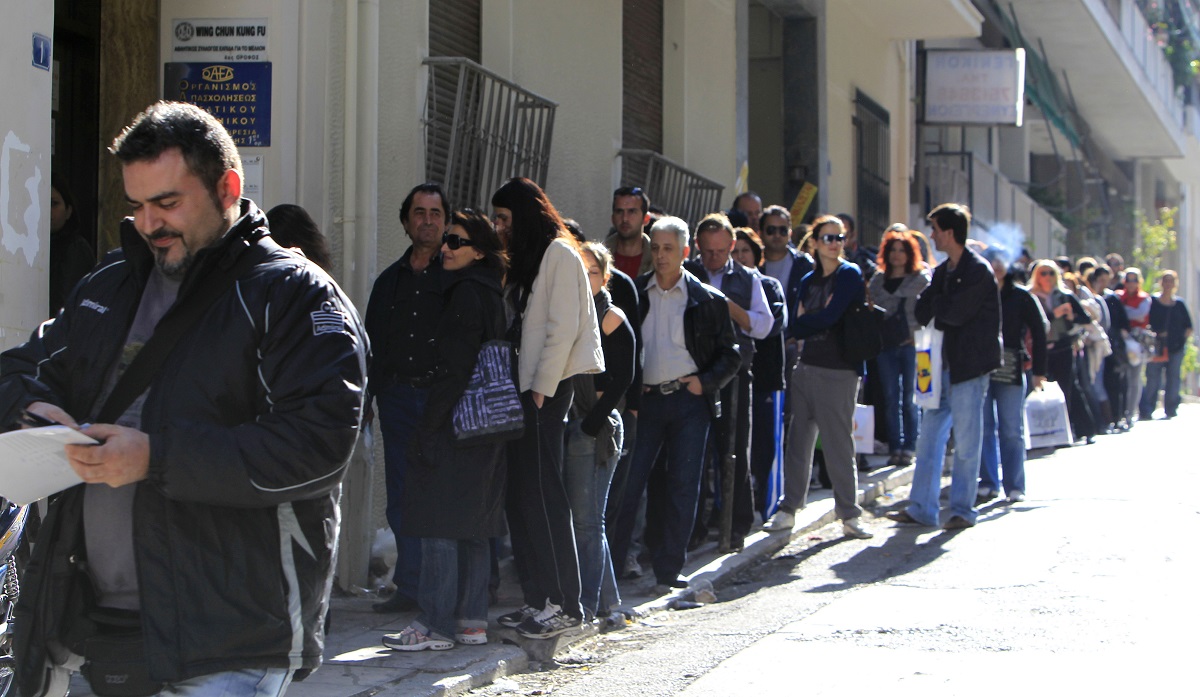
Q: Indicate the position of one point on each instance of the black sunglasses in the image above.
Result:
(831, 237)
(776, 230)
(455, 242)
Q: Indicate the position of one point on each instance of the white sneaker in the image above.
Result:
(853, 527)
(780, 522)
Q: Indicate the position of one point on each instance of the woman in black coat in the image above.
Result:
(454, 493)
(1066, 316)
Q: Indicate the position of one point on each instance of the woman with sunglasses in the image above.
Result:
(453, 494)
(896, 290)
(1067, 317)
(824, 385)
(554, 322)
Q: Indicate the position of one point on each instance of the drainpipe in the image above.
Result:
(350, 157)
(367, 157)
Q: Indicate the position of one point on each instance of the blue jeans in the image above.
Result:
(897, 374)
(961, 407)
(1003, 437)
(268, 682)
(400, 410)
(454, 584)
(1154, 382)
(587, 483)
(679, 423)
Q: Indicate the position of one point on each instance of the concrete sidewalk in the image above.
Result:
(358, 665)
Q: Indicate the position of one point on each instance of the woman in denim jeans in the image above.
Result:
(594, 439)
(1004, 407)
(454, 491)
(1170, 319)
(896, 290)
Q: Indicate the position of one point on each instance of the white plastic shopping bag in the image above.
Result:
(864, 429)
(1049, 422)
(927, 392)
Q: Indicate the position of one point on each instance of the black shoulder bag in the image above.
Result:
(115, 656)
(862, 330)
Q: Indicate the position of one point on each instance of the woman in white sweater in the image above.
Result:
(553, 321)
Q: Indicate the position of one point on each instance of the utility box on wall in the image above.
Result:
(25, 59)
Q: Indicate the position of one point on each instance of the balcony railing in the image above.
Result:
(1149, 56)
(961, 177)
(676, 189)
(481, 129)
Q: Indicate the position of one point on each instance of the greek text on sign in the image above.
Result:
(218, 40)
(986, 87)
(237, 94)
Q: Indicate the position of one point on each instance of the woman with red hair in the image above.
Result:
(896, 289)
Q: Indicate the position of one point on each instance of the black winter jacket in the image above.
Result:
(707, 334)
(441, 470)
(251, 420)
(965, 304)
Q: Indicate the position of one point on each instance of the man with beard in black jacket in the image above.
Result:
(223, 376)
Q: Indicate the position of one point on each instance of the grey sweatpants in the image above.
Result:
(823, 401)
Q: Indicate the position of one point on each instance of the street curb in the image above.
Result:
(517, 654)
(761, 544)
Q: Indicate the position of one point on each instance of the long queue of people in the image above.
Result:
(673, 384)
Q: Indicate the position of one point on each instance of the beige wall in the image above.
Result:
(568, 52)
(25, 200)
(858, 59)
(699, 84)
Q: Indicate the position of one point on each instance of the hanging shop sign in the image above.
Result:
(237, 94)
(975, 87)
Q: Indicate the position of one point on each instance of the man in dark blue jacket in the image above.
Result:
(962, 301)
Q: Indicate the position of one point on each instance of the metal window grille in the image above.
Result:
(481, 129)
(677, 190)
(873, 163)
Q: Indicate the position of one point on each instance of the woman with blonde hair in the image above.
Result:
(1172, 323)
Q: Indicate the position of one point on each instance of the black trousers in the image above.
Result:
(730, 434)
(539, 513)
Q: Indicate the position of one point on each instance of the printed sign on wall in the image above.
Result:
(238, 94)
(219, 40)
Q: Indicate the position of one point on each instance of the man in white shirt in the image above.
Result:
(690, 354)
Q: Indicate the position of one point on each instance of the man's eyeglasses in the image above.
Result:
(455, 242)
(833, 237)
(781, 230)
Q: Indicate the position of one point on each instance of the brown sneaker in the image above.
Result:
(958, 523)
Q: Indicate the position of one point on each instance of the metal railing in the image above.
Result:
(961, 177)
(481, 129)
(676, 189)
(1149, 56)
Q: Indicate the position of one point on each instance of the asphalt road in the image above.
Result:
(1085, 588)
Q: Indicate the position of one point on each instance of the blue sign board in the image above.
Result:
(237, 94)
(41, 52)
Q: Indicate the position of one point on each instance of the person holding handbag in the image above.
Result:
(553, 314)
(452, 592)
(824, 385)
(1004, 406)
(896, 290)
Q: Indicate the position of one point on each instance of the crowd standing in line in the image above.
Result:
(670, 381)
(659, 365)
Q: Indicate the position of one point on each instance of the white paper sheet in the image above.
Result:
(33, 463)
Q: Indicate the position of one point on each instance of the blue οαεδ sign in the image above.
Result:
(237, 94)
(41, 52)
